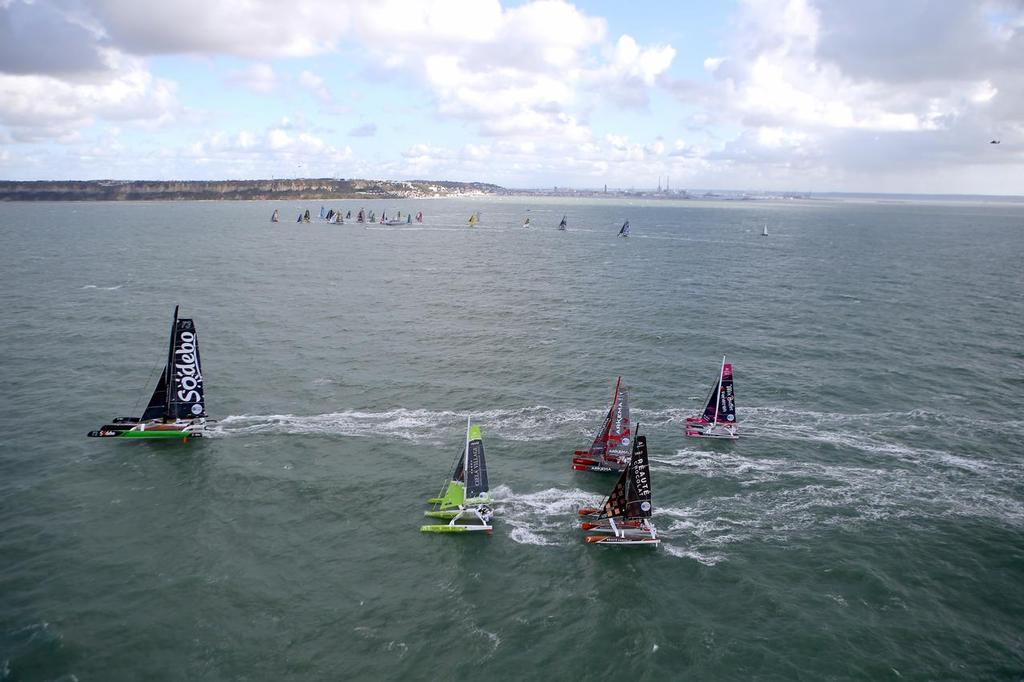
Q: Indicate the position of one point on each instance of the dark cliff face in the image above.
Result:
(325, 188)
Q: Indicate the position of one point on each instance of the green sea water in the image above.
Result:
(869, 524)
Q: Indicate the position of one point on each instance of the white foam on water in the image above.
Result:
(99, 288)
(537, 423)
(544, 518)
(524, 536)
(683, 553)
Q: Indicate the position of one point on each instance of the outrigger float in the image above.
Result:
(625, 516)
(610, 450)
(466, 500)
(176, 408)
(719, 417)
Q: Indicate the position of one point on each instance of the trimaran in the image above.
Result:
(625, 516)
(610, 449)
(466, 499)
(177, 408)
(719, 417)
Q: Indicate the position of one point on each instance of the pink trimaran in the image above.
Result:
(719, 417)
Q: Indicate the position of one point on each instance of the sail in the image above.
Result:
(631, 496)
(638, 492)
(322, 212)
(305, 216)
(475, 465)
(158, 402)
(618, 427)
(721, 403)
(275, 216)
(600, 444)
(299, 219)
(625, 229)
(726, 397)
(185, 394)
(472, 220)
(562, 224)
(330, 214)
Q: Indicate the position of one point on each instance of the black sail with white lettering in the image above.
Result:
(631, 496)
(638, 488)
(476, 470)
(185, 393)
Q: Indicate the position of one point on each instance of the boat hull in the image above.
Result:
(622, 541)
(445, 528)
(590, 464)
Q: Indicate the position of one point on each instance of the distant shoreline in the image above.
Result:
(314, 189)
(237, 190)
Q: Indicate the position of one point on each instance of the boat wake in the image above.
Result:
(537, 423)
(548, 518)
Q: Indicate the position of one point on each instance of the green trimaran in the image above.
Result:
(176, 408)
(465, 502)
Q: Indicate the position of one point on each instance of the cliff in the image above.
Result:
(173, 190)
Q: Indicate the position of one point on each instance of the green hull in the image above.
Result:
(443, 529)
(441, 514)
(166, 435)
(469, 503)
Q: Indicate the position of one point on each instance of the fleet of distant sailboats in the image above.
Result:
(335, 217)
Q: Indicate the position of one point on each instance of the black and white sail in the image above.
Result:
(631, 496)
(183, 373)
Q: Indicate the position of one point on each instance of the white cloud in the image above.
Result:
(315, 84)
(36, 107)
(855, 90)
(259, 78)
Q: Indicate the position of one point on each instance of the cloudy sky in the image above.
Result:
(810, 95)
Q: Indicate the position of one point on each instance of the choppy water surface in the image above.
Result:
(869, 524)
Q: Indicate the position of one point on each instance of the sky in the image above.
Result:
(762, 95)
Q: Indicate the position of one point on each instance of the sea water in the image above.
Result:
(868, 524)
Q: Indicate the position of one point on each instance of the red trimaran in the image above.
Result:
(610, 449)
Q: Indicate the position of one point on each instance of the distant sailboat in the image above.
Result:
(624, 231)
(322, 213)
(177, 408)
(562, 225)
(305, 216)
(361, 217)
(275, 216)
(764, 231)
(300, 217)
(719, 417)
(474, 219)
(419, 217)
(408, 219)
(526, 223)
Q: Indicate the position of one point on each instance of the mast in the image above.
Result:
(465, 459)
(170, 362)
(718, 390)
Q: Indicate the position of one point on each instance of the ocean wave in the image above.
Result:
(93, 286)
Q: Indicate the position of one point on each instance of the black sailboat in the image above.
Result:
(625, 516)
(177, 408)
